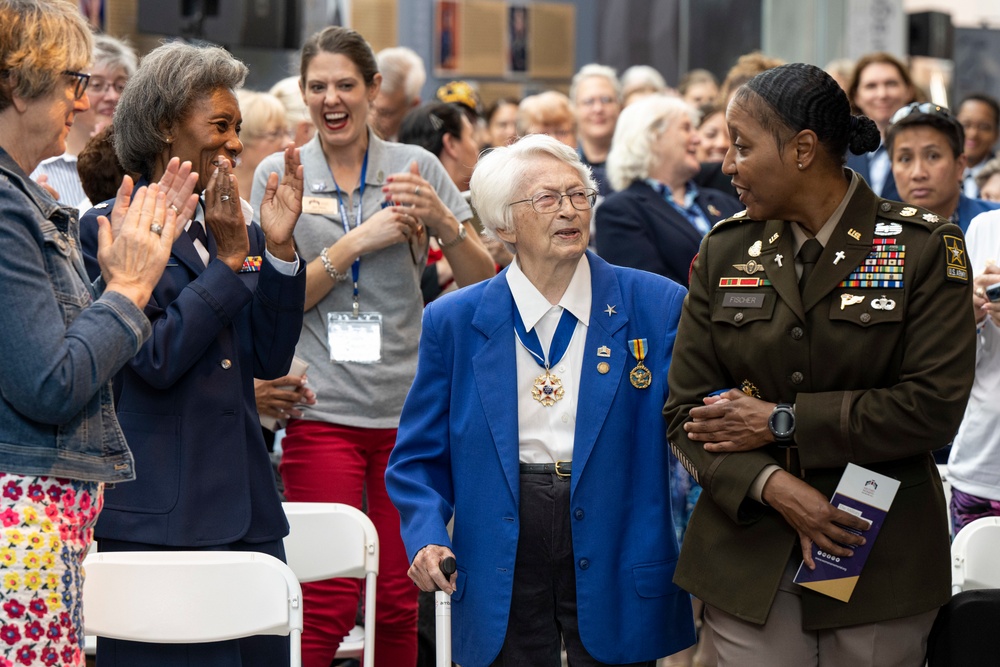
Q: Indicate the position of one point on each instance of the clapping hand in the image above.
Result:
(281, 206)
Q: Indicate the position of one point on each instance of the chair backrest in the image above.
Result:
(975, 556)
(190, 596)
(327, 540)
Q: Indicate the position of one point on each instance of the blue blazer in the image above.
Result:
(968, 208)
(638, 228)
(186, 401)
(859, 163)
(456, 454)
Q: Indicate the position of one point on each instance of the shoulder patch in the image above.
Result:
(956, 266)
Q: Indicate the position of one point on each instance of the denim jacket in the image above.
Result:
(60, 344)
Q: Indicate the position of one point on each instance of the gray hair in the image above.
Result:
(639, 126)
(401, 68)
(642, 77)
(595, 70)
(500, 176)
(159, 95)
(989, 169)
(289, 93)
(110, 52)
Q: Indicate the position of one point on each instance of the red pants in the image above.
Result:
(329, 463)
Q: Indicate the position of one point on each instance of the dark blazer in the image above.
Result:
(968, 208)
(879, 387)
(639, 229)
(859, 163)
(457, 455)
(187, 400)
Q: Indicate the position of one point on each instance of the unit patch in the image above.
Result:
(956, 267)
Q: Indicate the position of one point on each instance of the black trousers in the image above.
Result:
(259, 651)
(543, 612)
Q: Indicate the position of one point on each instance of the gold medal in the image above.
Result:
(547, 389)
(640, 377)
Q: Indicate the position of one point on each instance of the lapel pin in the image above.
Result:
(610, 310)
(849, 300)
(603, 367)
(883, 303)
(778, 258)
(840, 255)
(714, 211)
(318, 186)
(774, 237)
(604, 351)
(754, 250)
(888, 228)
(380, 176)
(854, 234)
(750, 267)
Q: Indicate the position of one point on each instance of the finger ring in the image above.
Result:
(416, 191)
(980, 292)
(173, 208)
(224, 198)
(156, 228)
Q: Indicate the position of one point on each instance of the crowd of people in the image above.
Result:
(611, 348)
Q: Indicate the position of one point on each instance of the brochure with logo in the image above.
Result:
(864, 494)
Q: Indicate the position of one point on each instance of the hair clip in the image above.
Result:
(436, 122)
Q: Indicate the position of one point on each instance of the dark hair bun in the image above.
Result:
(864, 136)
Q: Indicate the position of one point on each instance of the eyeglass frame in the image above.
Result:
(589, 193)
(82, 82)
(117, 84)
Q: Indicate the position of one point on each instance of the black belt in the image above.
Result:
(561, 468)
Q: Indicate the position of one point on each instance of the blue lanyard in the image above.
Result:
(560, 341)
(356, 267)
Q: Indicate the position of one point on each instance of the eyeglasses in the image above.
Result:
(604, 100)
(550, 201)
(99, 86)
(928, 108)
(82, 81)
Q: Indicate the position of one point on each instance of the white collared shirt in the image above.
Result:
(545, 434)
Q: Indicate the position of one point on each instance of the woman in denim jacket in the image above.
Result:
(63, 338)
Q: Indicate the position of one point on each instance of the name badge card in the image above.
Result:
(864, 494)
(355, 338)
(319, 205)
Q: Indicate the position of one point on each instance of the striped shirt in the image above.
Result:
(63, 176)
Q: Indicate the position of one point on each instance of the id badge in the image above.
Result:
(355, 339)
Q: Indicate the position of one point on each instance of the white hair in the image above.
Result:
(639, 126)
(642, 77)
(401, 68)
(595, 70)
(111, 53)
(500, 174)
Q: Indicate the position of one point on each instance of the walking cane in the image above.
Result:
(442, 617)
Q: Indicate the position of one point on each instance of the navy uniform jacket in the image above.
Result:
(877, 383)
(639, 229)
(968, 208)
(456, 454)
(203, 475)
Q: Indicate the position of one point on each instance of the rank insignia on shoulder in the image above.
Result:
(931, 218)
(740, 214)
(956, 267)
(908, 212)
(102, 205)
(252, 264)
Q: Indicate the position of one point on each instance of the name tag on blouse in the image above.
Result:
(319, 205)
(743, 300)
(355, 338)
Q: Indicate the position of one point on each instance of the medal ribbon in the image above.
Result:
(560, 340)
(639, 348)
(356, 266)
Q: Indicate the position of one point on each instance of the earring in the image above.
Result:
(800, 165)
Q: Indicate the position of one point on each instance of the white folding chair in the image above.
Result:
(171, 597)
(975, 556)
(331, 540)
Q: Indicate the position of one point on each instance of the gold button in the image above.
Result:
(226, 364)
(603, 367)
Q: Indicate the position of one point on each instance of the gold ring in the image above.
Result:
(980, 292)
(173, 208)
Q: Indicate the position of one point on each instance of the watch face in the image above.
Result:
(782, 422)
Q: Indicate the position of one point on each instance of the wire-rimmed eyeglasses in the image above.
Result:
(928, 108)
(82, 81)
(550, 201)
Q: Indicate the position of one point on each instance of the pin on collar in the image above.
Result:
(840, 255)
(610, 310)
(778, 258)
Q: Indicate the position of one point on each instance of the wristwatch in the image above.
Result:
(455, 241)
(782, 423)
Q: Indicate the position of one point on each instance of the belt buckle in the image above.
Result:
(559, 472)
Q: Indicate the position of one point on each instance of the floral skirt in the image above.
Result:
(47, 525)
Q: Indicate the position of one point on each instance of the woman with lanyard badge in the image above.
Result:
(368, 211)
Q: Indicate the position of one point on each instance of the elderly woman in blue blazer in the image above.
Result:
(534, 421)
(658, 216)
(227, 309)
